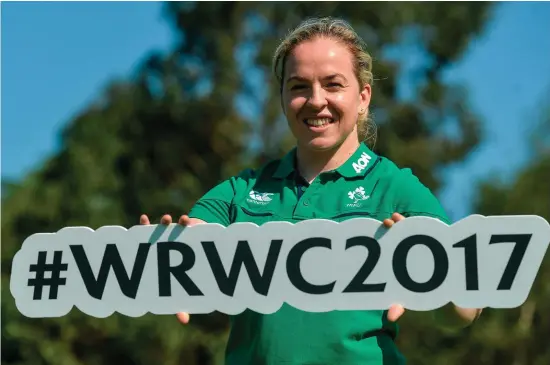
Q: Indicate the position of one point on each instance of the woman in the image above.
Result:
(325, 81)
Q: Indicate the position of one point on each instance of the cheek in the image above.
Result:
(294, 105)
(344, 106)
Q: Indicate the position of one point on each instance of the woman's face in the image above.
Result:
(321, 95)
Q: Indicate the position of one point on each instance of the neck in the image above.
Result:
(311, 163)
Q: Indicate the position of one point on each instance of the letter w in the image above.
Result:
(111, 258)
(243, 256)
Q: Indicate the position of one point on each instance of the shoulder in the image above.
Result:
(403, 178)
(397, 178)
(248, 177)
(262, 172)
(215, 205)
(409, 195)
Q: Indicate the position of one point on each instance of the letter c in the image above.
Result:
(293, 266)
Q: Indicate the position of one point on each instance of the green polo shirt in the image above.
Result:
(366, 185)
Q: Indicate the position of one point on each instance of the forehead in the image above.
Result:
(319, 56)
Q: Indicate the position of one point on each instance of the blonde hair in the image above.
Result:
(341, 31)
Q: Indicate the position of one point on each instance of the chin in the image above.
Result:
(321, 144)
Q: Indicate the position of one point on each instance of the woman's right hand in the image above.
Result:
(184, 221)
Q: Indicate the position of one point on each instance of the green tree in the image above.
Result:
(519, 336)
(516, 336)
(153, 144)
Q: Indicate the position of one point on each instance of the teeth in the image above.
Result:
(318, 122)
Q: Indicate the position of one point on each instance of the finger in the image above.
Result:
(184, 220)
(388, 223)
(183, 317)
(144, 220)
(166, 219)
(395, 312)
(396, 217)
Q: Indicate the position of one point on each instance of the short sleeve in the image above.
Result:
(215, 205)
(415, 199)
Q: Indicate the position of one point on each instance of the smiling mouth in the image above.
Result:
(318, 122)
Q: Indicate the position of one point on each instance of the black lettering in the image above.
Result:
(243, 256)
(179, 272)
(441, 261)
(111, 258)
(470, 259)
(521, 242)
(357, 284)
(293, 266)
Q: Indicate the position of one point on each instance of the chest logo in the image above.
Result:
(260, 198)
(361, 162)
(357, 196)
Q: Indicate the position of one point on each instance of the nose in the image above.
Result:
(317, 99)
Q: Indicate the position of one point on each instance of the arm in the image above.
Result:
(215, 205)
(415, 199)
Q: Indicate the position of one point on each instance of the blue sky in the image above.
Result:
(57, 57)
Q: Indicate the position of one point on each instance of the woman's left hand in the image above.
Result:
(460, 317)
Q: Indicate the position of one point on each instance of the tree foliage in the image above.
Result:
(188, 119)
(518, 336)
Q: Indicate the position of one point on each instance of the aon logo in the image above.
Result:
(362, 162)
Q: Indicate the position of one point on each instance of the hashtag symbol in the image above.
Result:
(41, 267)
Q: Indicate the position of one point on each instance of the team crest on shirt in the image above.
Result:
(357, 196)
(259, 198)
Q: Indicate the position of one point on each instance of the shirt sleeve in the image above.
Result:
(415, 199)
(215, 205)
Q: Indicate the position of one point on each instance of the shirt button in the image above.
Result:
(303, 188)
(306, 202)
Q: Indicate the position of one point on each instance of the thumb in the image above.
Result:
(183, 317)
(395, 312)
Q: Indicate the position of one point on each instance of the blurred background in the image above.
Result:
(111, 110)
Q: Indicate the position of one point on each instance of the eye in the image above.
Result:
(297, 87)
(334, 85)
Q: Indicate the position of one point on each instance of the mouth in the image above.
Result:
(317, 123)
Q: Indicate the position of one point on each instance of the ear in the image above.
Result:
(364, 99)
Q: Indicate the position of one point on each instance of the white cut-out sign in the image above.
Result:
(316, 265)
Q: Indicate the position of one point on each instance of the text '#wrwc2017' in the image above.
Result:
(316, 266)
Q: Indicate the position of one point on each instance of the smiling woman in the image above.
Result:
(325, 78)
(324, 73)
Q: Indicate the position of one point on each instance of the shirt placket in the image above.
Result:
(305, 208)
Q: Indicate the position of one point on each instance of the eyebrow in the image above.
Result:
(329, 77)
